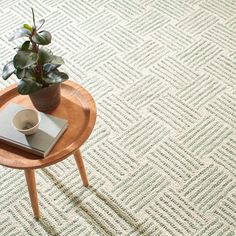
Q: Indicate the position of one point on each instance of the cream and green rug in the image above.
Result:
(162, 158)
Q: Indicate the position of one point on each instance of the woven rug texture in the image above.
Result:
(162, 157)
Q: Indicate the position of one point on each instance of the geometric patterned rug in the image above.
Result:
(162, 157)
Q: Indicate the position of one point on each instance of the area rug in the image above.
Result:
(162, 157)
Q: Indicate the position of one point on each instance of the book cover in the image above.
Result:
(50, 130)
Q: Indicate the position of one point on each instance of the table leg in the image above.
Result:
(80, 165)
(30, 179)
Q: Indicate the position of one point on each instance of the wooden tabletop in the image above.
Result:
(77, 106)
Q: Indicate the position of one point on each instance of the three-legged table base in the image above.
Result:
(30, 179)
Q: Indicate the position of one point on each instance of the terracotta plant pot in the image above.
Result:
(47, 99)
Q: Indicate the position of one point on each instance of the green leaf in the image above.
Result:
(20, 74)
(28, 86)
(49, 67)
(24, 59)
(55, 77)
(8, 70)
(42, 38)
(40, 24)
(45, 56)
(28, 27)
(19, 33)
(24, 74)
(57, 60)
(25, 46)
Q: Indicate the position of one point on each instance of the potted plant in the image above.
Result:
(36, 67)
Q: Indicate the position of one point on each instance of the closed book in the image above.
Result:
(50, 130)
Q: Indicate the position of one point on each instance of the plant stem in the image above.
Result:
(35, 47)
(33, 17)
(38, 70)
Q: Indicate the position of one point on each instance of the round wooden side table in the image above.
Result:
(78, 107)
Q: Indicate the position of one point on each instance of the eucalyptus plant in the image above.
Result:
(34, 65)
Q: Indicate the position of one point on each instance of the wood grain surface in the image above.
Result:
(77, 106)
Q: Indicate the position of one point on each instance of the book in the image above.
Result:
(50, 130)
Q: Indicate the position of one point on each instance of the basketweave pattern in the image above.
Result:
(162, 157)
